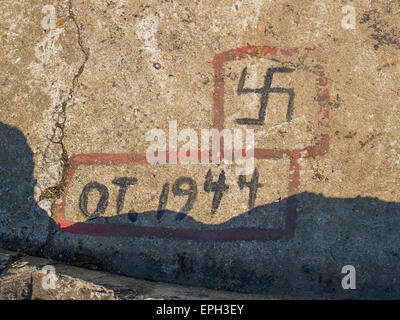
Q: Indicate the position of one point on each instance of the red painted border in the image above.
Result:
(203, 235)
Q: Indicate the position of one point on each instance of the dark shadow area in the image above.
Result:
(328, 233)
(23, 224)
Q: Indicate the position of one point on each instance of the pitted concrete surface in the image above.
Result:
(81, 90)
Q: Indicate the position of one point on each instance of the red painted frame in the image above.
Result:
(318, 149)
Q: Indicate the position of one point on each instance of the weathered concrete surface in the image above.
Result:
(22, 277)
(79, 98)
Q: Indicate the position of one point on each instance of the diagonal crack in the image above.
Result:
(56, 191)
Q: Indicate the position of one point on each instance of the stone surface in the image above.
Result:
(78, 98)
(24, 278)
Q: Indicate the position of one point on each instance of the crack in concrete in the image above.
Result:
(56, 191)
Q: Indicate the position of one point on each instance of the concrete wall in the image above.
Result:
(81, 89)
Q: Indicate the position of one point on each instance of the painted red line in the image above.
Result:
(139, 159)
(123, 230)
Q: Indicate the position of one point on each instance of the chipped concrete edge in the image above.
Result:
(22, 277)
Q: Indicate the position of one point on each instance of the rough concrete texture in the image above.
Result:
(77, 100)
(23, 277)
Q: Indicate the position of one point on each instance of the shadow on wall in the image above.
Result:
(23, 224)
(329, 233)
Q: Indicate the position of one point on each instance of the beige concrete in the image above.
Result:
(110, 71)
